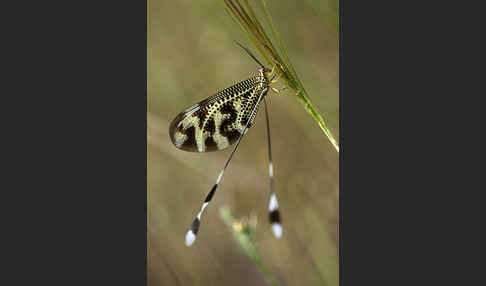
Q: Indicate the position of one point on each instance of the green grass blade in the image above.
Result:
(246, 17)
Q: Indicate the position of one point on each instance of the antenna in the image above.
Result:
(251, 55)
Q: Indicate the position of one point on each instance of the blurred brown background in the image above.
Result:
(191, 55)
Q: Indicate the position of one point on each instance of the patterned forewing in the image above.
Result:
(216, 122)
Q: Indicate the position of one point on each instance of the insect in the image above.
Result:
(221, 121)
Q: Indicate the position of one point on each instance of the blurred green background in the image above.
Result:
(191, 55)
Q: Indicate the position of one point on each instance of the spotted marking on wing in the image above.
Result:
(217, 122)
(179, 139)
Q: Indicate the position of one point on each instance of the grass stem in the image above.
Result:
(246, 242)
(244, 15)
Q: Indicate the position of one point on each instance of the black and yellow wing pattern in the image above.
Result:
(218, 121)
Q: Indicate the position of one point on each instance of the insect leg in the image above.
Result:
(275, 77)
(274, 213)
(272, 80)
(192, 232)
